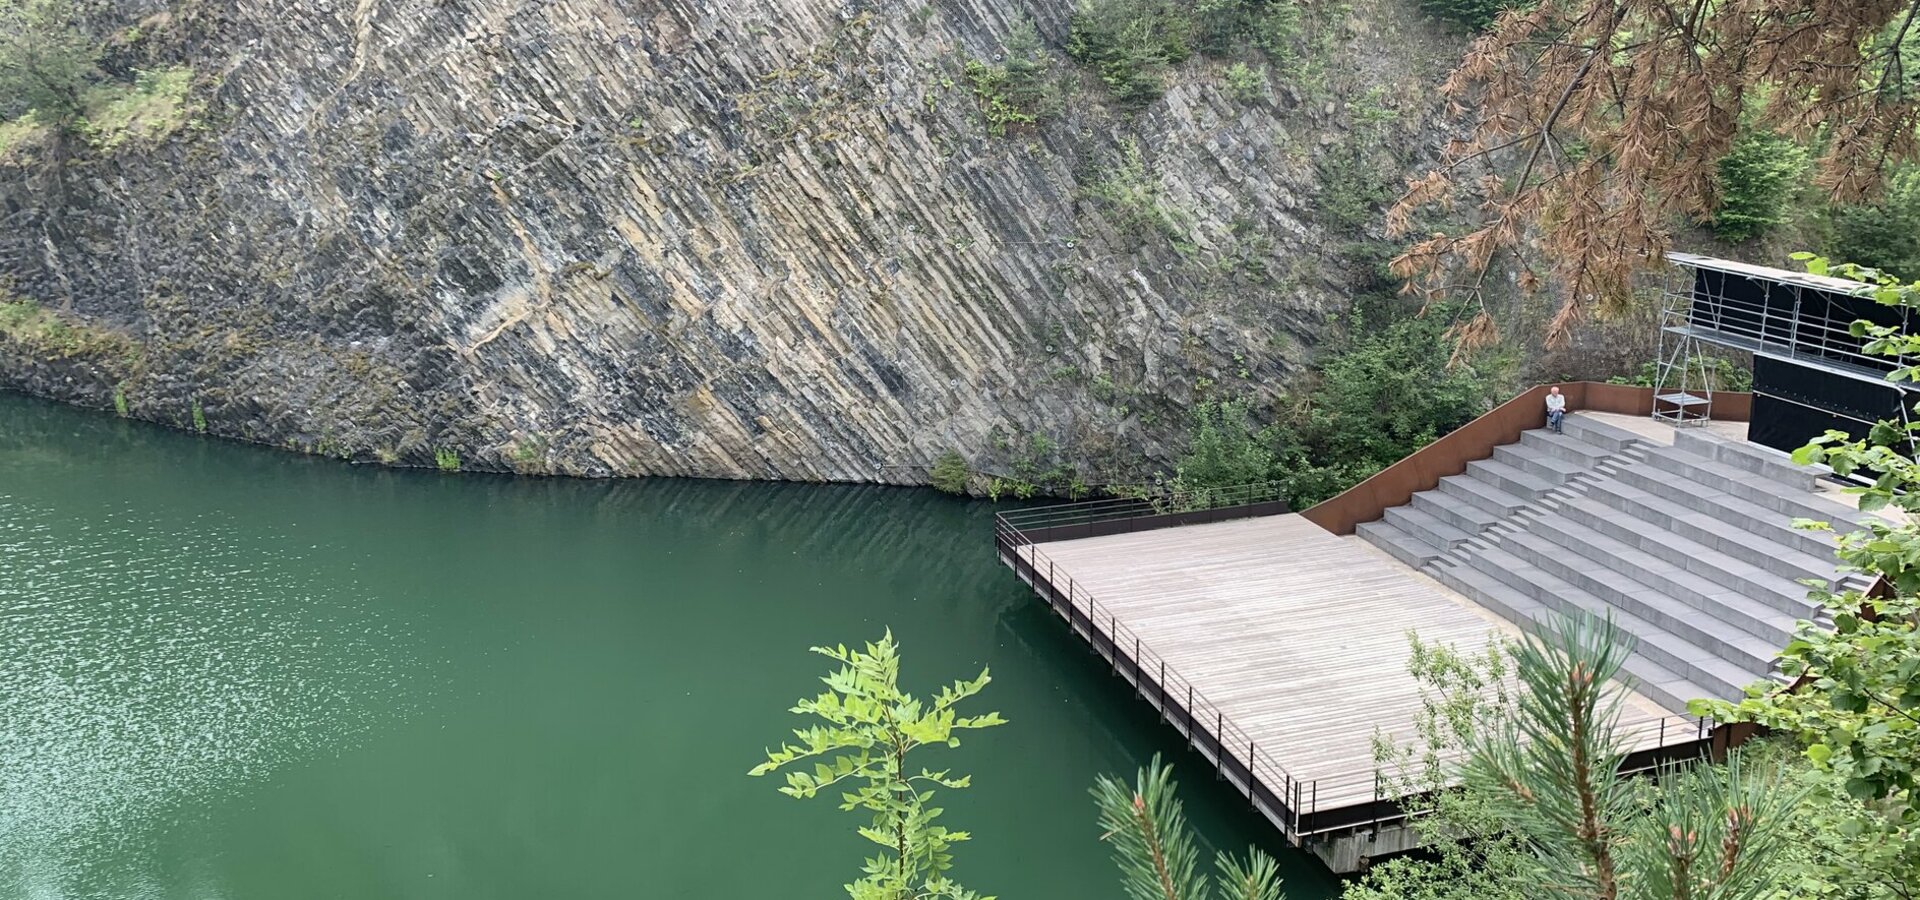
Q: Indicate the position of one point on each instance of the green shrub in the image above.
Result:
(1388, 393)
(950, 473)
(1022, 91)
(199, 418)
(1722, 375)
(1883, 235)
(1474, 14)
(1225, 449)
(120, 400)
(1130, 44)
(1133, 199)
(1246, 82)
(1757, 179)
(447, 459)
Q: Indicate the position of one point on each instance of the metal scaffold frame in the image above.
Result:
(1682, 383)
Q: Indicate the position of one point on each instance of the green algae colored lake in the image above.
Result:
(228, 672)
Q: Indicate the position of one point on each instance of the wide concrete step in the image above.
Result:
(1753, 488)
(1565, 446)
(1652, 680)
(1510, 474)
(1483, 494)
(1703, 667)
(1546, 467)
(1766, 462)
(1755, 657)
(1772, 546)
(1455, 511)
(1652, 589)
(1604, 435)
(1782, 593)
(1425, 526)
(1398, 544)
(1738, 512)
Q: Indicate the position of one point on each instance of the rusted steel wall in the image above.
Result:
(1396, 484)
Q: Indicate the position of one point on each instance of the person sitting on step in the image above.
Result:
(1556, 408)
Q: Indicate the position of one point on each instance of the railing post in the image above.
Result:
(1113, 641)
(1663, 732)
(1190, 714)
(1219, 743)
(1163, 690)
(1136, 667)
(1250, 800)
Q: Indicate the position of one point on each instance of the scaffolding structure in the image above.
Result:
(1682, 382)
(1781, 318)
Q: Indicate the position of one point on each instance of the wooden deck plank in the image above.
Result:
(1298, 636)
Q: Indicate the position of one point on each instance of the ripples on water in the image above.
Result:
(137, 670)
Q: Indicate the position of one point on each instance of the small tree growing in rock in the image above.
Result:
(46, 59)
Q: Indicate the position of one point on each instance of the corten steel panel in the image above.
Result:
(1422, 471)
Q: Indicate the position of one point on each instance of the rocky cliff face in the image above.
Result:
(697, 237)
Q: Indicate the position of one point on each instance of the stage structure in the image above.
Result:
(1810, 373)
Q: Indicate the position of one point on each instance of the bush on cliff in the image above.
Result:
(949, 473)
(1390, 392)
(47, 59)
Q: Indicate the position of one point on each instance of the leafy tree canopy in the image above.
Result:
(46, 58)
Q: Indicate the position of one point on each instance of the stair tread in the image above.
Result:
(1390, 538)
(1713, 524)
(1649, 677)
(1510, 472)
(1687, 547)
(1486, 490)
(1709, 499)
(1588, 425)
(1481, 518)
(1813, 505)
(1726, 671)
(1421, 520)
(1546, 442)
(1604, 550)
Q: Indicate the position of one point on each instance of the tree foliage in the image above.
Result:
(47, 59)
(1758, 178)
(1554, 772)
(1856, 713)
(1391, 391)
(1598, 123)
(867, 728)
(1884, 235)
(1225, 449)
(1540, 804)
(1019, 90)
(1156, 851)
(1477, 15)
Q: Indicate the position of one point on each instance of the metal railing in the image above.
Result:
(1292, 804)
(1144, 509)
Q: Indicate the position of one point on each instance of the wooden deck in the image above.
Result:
(1296, 637)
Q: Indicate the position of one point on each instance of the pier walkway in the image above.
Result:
(1276, 648)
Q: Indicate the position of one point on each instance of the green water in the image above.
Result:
(228, 672)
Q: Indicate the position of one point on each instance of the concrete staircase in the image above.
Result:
(1689, 547)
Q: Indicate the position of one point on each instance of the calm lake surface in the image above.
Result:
(229, 672)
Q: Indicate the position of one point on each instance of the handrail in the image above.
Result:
(1228, 738)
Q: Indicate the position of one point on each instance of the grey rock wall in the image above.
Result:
(736, 239)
